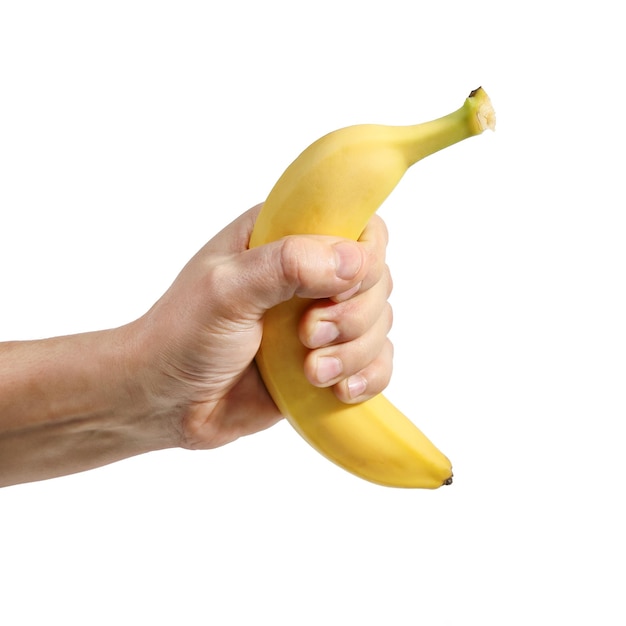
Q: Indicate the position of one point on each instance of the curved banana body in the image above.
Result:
(333, 188)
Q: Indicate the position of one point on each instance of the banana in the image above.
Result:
(333, 188)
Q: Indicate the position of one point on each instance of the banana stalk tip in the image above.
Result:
(484, 109)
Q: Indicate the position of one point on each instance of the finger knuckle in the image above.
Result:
(292, 258)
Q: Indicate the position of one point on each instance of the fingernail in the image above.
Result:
(356, 385)
(328, 368)
(324, 333)
(348, 259)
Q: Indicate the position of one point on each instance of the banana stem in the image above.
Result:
(475, 116)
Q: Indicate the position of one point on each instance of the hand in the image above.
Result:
(195, 348)
(184, 373)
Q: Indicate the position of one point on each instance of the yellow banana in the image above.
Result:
(333, 188)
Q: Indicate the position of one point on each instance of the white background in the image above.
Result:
(130, 132)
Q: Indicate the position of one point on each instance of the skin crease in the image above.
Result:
(183, 374)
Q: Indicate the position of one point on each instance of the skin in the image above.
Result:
(183, 375)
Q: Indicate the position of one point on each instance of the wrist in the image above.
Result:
(127, 366)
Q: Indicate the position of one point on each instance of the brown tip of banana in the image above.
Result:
(485, 114)
(448, 481)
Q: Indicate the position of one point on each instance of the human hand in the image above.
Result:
(195, 348)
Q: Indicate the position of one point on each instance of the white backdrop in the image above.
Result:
(130, 132)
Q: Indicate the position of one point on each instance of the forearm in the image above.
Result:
(69, 404)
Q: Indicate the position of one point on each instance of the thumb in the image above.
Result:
(308, 266)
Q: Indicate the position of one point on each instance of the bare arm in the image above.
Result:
(70, 403)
